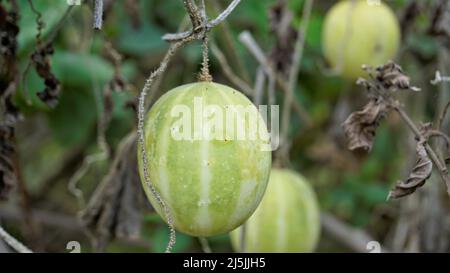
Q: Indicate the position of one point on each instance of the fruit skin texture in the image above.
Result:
(287, 220)
(210, 186)
(359, 34)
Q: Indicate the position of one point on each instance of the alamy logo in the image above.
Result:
(233, 122)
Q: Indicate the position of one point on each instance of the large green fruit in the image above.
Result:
(357, 33)
(210, 184)
(287, 220)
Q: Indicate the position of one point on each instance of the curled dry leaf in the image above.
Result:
(391, 76)
(360, 127)
(419, 175)
(114, 208)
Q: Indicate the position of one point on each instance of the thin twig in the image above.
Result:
(260, 82)
(13, 242)
(50, 39)
(247, 39)
(59, 25)
(210, 24)
(98, 14)
(443, 115)
(230, 47)
(243, 239)
(141, 138)
(293, 77)
(193, 12)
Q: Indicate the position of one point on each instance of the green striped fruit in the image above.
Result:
(287, 220)
(357, 33)
(211, 179)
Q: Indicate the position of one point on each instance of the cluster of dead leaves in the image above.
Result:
(361, 126)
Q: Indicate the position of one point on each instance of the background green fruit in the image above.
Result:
(210, 186)
(287, 220)
(357, 34)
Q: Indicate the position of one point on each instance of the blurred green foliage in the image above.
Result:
(80, 65)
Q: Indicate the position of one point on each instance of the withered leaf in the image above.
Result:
(280, 23)
(360, 127)
(419, 175)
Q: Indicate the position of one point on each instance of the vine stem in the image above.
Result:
(205, 76)
(442, 168)
(13, 242)
(228, 71)
(209, 25)
(443, 115)
(141, 139)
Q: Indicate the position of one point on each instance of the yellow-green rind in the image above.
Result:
(357, 34)
(210, 186)
(287, 220)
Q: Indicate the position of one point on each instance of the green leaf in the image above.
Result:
(144, 40)
(85, 70)
(73, 120)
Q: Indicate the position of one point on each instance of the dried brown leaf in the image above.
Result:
(7, 174)
(419, 175)
(391, 76)
(360, 127)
